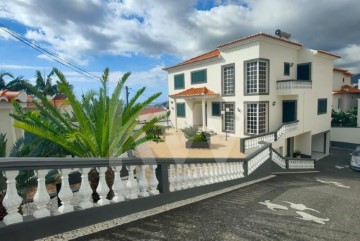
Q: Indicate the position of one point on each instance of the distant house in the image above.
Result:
(345, 95)
(252, 86)
(26, 102)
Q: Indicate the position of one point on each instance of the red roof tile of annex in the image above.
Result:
(216, 52)
(347, 89)
(194, 92)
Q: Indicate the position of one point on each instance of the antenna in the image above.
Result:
(282, 34)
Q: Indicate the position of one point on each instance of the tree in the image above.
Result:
(45, 85)
(2, 80)
(104, 127)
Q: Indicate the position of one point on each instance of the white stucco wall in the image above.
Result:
(345, 134)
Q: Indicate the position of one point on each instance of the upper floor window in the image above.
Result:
(179, 82)
(256, 117)
(322, 106)
(257, 76)
(198, 77)
(180, 110)
(304, 71)
(286, 69)
(228, 76)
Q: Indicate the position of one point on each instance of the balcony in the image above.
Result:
(292, 87)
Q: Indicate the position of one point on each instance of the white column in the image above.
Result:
(154, 181)
(142, 182)
(41, 197)
(12, 200)
(85, 190)
(118, 186)
(65, 193)
(102, 188)
(203, 114)
(131, 184)
(175, 114)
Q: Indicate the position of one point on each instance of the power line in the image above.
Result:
(50, 54)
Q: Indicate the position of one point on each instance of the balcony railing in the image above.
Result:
(293, 84)
(270, 137)
(138, 184)
(292, 163)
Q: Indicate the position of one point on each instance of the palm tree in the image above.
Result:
(45, 85)
(2, 81)
(104, 127)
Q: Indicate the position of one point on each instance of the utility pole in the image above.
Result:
(127, 95)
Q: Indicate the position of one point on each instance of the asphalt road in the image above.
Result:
(332, 196)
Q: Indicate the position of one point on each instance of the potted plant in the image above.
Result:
(297, 153)
(196, 139)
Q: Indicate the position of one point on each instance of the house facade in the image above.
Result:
(252, 86)
(345, 95)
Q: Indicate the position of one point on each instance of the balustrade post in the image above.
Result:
(216, 173)
(171, 178)
(65, 193)
(85, 190)
(154, 181)
(206, 174)
(211, 173)
(184, 177)
(220, 171)
(196, 175)
(102, 188)
(12, 200)
(131, 184)
(178, 179)
(142, 181)
(41, 197)
(118, 186)
(200, 175)
(190, 176)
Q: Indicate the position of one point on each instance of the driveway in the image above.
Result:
(316, 206)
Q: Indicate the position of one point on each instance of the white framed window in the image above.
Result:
(257, 76)
(228, 79)
(256, 117)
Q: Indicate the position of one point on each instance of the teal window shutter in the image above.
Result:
(216, 109)
(198, 77)
(180, 109)
(179, 82)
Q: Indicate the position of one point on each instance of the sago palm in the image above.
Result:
(104, 126)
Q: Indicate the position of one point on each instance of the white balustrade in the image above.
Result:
(278, 160)
(102, 188)
(258, 160)
(65, 193)
(132, 188)
(153, 181)
(216, 172)
(178, 179)
(196, 175)
(12, 200)
(41, 197)
(118, 186)
(142, 181)
(172, 171)
(184, 176)
(191, 182)
(206, 174)
(85, 190)
(200, 175)
(211, 173)
(301, 164)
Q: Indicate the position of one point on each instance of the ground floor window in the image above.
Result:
(228, 117)
(180, 110)
(256, 118)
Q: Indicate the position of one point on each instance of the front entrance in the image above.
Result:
(228, 118)
(290, 146)
(289, 111)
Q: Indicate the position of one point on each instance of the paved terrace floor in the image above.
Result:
(332, 195)
(174, 147)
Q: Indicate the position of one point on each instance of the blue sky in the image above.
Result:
(143, 36)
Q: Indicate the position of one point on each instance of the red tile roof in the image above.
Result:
(259, 34)
(8, 96)
(151, 110)
(194, 92)
(208, 55)
(344, 71)
(330, 54)
(347, 89)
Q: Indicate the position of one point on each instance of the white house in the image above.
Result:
(251, 86)
(345, 95)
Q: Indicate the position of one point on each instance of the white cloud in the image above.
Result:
(79, 29)
(14, 66)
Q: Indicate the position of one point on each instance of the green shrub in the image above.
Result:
(190, 132)
(3, 142)
(201, 137)
(155, 130)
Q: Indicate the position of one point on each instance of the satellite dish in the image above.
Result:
(282, 34)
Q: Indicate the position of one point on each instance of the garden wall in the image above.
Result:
(345, 137)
